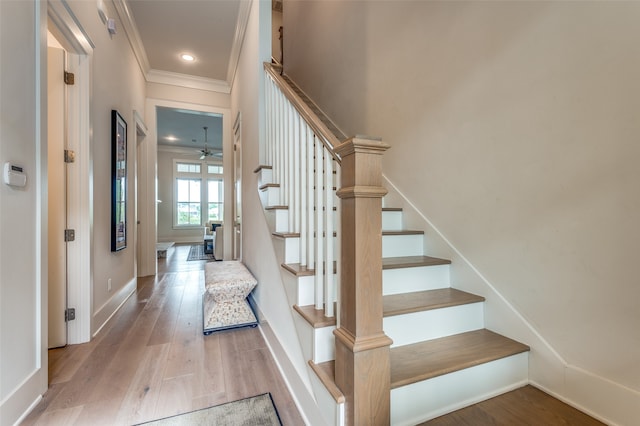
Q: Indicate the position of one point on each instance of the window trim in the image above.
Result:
(203, 176)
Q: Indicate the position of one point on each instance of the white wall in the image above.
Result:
(514, 129)
(23, 246)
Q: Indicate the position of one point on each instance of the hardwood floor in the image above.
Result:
(152, 361)
(526, 406)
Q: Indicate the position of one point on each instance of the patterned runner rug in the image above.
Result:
(196, 252)
(255, 411)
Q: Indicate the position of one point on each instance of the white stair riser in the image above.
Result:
(402, 245)
(292, 247)
(392, 221)
(305, 335)
(317, 343)
(286, 249)
(265, 176)
(332, 412)
(433, 323)
(431, 398)
(270, 196)
(292, 287)
(282, 221)
(291, 250)
(408, 280)
(277, 220)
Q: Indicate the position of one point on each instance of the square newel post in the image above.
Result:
(362, 349)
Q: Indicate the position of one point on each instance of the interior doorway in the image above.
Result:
(57, 195)
(64, 27)
(180, 157)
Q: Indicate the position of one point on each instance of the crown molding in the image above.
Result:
(130, 28)
(189, 81)
(178, 79)
(238, 39)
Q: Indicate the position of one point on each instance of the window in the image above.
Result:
(199, 193)
(188, 202)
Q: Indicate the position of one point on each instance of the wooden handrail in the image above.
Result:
(362, 364)
(326, 136)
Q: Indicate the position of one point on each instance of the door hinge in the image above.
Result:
(69, 235)
(69, 78)
(69, 314)
(69, 156)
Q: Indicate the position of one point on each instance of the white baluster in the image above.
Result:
(311, 202)
(296, 172)
(304, 236)
(328, 214)
(338, 244)
(320, 259)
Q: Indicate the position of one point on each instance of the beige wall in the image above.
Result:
(117, 83)
(514, 129)
(184, 94)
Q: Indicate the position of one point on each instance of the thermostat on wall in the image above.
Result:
(14, 175)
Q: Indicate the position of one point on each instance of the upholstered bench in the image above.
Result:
(224, 303)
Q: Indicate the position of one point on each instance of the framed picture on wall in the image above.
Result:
(118, 182)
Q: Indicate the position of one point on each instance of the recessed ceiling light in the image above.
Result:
(171, 138)
(187, 57)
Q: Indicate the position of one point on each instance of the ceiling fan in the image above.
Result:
(206, 152)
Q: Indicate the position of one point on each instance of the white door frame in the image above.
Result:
(79, 47)
(237, 188)
(139, 232)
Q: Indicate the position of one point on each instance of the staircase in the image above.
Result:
(442, 358)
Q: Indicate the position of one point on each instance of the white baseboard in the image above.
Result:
(27, 394)
(111, 306)
(599, 397)
(304, 400)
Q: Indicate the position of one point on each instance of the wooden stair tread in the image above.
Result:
(412, 262)
(260, 167)
(425, 360)
(277, 208)
(298, 270)
(403, 232)
(326, 372)
(316, 317)
(392, 209)
(286, 234)
(304, 271)
(268, 185)
(398, 304)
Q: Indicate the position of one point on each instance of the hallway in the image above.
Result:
(152, 361)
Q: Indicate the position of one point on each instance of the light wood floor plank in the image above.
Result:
(141, 398)
(151, 360)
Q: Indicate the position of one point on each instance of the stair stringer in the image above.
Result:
(547, 368)
(297, 293)
(299, 377)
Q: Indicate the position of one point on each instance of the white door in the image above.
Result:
(56, 199)
(237, 190)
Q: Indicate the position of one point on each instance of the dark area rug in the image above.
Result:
(255, 411)
(196, 252)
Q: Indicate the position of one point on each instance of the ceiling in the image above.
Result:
(204, 29)
(211, 31)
